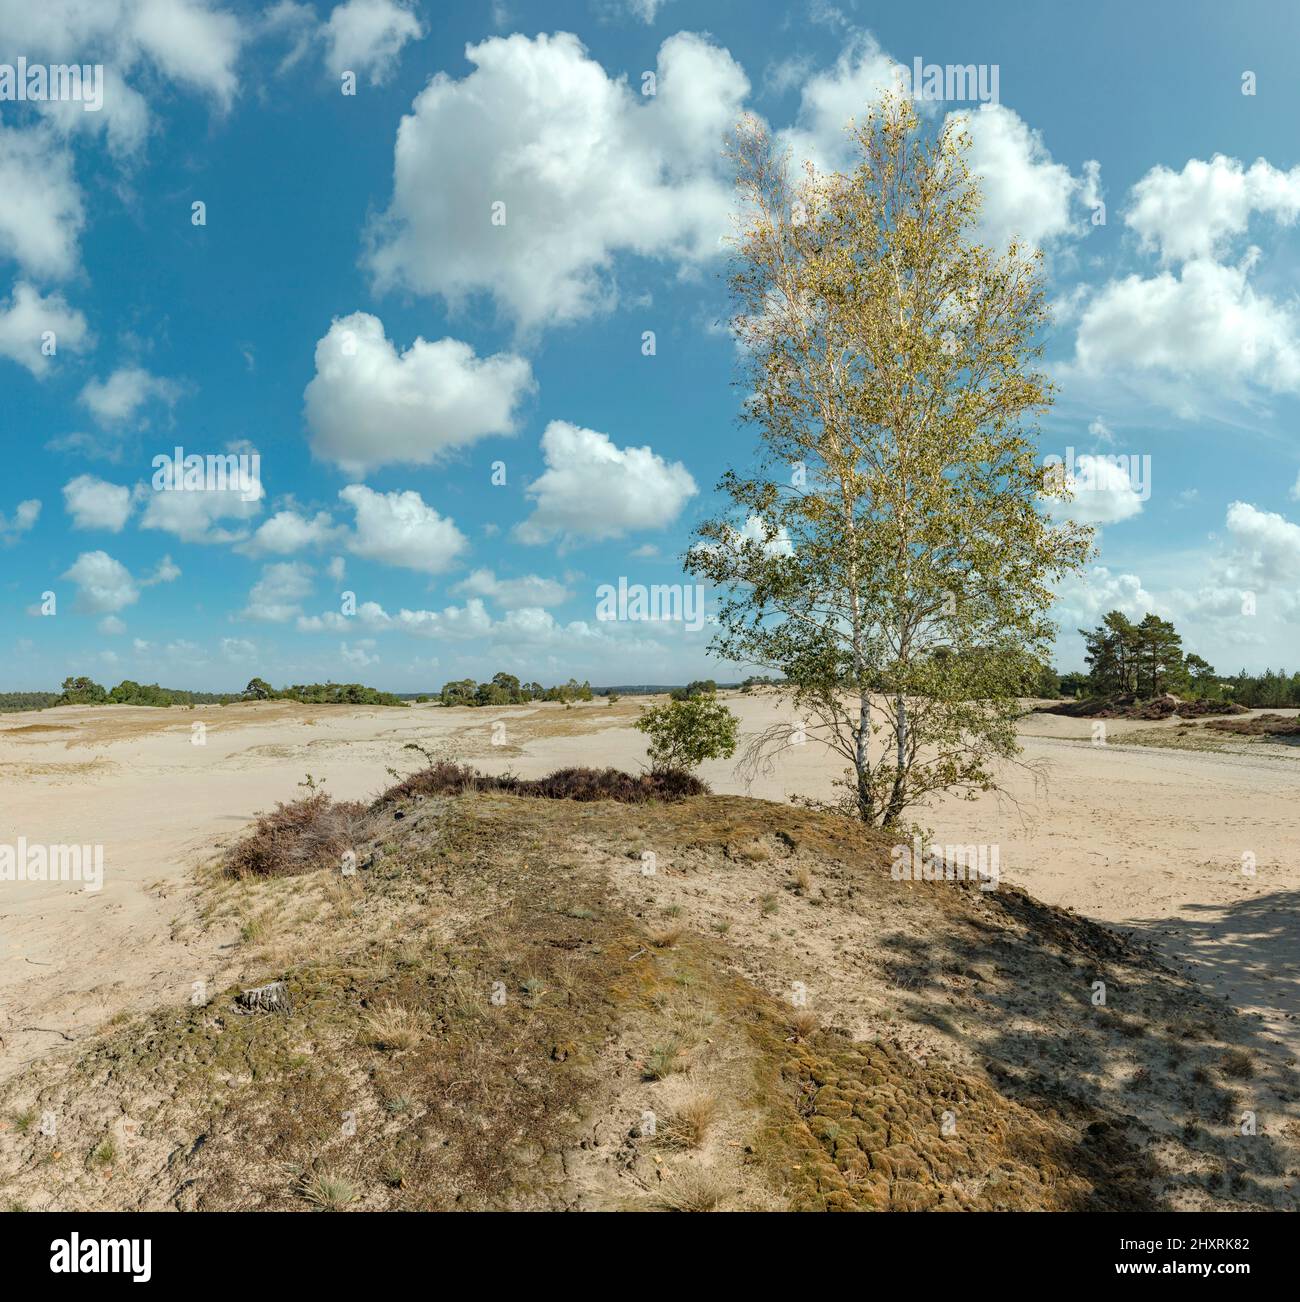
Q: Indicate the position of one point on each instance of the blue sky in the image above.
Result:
(351, 313)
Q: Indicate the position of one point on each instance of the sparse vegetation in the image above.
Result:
(296, 837)
(469, 1100)
(662, 1060)
(446, 778)
(804, 1024)
(1238, 1065)
(1262, 725)
(692, 1191)
(104, 1153)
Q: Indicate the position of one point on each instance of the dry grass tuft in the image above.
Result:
(329, 1193)
(665, 937)
(662, 1060)
(689, 1125)
(393, 1028)
(804, 1024)
(1237, 1064)
(257, 928)
(692, 1191)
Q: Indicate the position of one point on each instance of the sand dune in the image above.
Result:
(1151, 839)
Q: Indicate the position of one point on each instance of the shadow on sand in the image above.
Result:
(1160, 1081)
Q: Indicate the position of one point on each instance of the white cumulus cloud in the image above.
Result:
(369, 405)
(366, 36)
(1104, 491)
(290, 531)
(1026, 195)
(510, 594)
(118, 398)
(30, 323)
(194, 44)
(25, 515)
(401, 529)
(829, 99)
(41, 213)
(1195, 212)
(193, 515)
(1206, 322)
(278, 595)
(585, 166)
(593, 490)
(96, 504)
(104, 585)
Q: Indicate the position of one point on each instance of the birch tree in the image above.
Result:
(886, 553)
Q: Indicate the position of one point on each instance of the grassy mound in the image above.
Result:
(704, 1003)
(1263, 725)
(1134, 707)
(316, 831)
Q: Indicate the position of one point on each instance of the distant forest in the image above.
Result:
(85, 691)
(13, 702)
(1143, 658)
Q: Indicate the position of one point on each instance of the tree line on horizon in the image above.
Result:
(86, 691)
(507, 689)
(501, 689)
(331, 693)
(1124, 657)
(1142, 659)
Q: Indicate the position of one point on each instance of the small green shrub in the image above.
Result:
(685, 733)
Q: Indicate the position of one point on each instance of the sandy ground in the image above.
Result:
(1156, 840)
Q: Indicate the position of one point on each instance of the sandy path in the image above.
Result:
(1149, 839)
